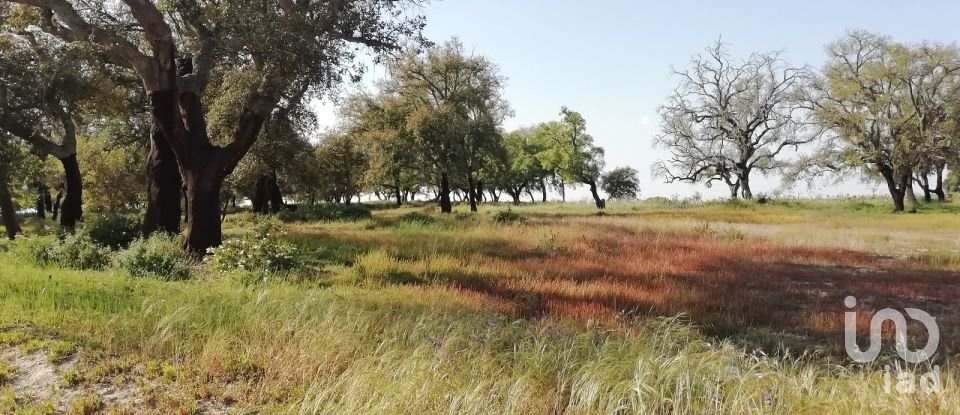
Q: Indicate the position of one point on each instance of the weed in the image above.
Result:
(508, 216)
(86, 405)
(7, 373)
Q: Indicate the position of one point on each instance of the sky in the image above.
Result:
(611, 60)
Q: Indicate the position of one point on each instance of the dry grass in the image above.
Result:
(770, 292)
(566, 313)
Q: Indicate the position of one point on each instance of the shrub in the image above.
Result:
(113, 230)
(30, 248)
(547, 244)
(260, 254)
(241, 219)
(77, 251)
(325, 212)
(160, 256)
(508, 216)
(417, 218)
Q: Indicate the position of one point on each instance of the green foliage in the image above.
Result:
(342, 163)
(568, 150)
(417, 218)
(28, 249)
(456, 108)
(259, 255)
(505, 217)
(112, 173)
(7, 373)
(76, 251)
(621, 183)
(114, 231)
(160, 256)
(325, 212)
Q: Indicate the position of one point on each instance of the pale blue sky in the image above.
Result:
(611, 59)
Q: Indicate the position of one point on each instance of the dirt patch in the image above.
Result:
(36, 378)
(39, 381)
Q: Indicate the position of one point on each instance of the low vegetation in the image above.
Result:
(711, 308)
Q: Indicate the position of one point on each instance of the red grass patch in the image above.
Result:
(727, 287)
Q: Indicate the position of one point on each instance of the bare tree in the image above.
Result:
(728, 119)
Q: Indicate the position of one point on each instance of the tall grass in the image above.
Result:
(640, 311)
(407, 350)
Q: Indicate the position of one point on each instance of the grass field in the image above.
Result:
(653, 307)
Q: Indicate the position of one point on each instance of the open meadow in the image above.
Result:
(421, 207)
(651, 307)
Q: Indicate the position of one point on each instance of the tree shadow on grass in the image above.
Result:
(754, 293)
(343, 248)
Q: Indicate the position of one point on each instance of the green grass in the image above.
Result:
(351, 350)
(376, 328)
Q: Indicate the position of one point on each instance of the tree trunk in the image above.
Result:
(912, 197)
(923, 180)
(72, 208)
(596, 196)
(276, 196)
(40, 207)
(59, 200)
(445, 205)
(532, 199)
(223, 212)
(164, 187)
(186, 204)
(480, 196)
(203, 166)
(563, 192)
(397, 191)
(261, 195)
(734, 190)
(745, 190)
(472, 192)
(941, 195)
(896, 187)
(267, 197)
(543, 189)
(203, 206)
(202, 173)
(516, 197)
(7, 209)
(47, 200)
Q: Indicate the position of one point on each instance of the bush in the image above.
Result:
(259, 255)
(112, 230)
(160, 256)
(77, 251)
(325, 212)
(30, 248)
(508, 216)
(417, 218)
